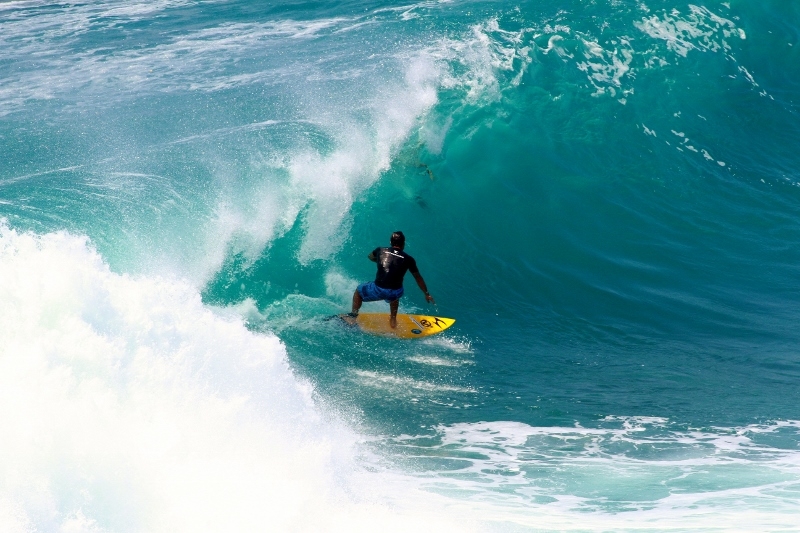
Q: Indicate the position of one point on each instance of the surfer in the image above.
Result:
(393, 263)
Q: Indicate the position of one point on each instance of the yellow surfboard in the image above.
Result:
(408, 326)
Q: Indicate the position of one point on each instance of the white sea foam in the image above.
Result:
(482, 54)
(459, 346)
(700, 29)
(438, 361)
(606, 68)
(610, 63)
(339, 286)
(626, 473)
(127, 405)
(404, 384)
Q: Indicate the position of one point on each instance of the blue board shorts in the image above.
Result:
(372, 293)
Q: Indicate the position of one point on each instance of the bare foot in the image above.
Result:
(393, 322)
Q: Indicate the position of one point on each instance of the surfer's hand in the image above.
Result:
(430, 299)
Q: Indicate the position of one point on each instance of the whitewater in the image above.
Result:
(604, 194)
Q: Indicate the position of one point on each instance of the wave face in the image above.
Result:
(605, 195)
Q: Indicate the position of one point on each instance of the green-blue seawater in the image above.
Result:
(605, 194)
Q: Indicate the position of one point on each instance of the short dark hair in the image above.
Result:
(398, 239)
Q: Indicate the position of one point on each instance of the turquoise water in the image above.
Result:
(604, 194)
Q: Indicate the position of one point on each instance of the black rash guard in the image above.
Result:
(392, 266)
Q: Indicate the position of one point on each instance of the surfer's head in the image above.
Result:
(398, 240)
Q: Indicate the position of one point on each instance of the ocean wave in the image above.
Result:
(128, 405)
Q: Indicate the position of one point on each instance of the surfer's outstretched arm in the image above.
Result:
(423, 286)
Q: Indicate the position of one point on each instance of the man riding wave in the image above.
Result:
(393, 263)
